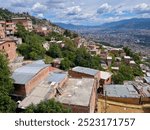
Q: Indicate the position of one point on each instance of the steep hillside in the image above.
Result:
(7, 15)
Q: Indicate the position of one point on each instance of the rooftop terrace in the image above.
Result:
(77, 92)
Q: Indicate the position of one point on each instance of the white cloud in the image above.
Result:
(142, 8)
(84, 16)
(21, 3)
(104, 8)
(75, 10)
(40, 15)
(39, 8)
(57, 4)
(81, 11)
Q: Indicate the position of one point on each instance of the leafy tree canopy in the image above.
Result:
(54, 51)
(6, 83)
(6, 87)
(49, 106)
(32, 47)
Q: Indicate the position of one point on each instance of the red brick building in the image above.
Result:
(28, 76)
(7, 28)
(25, 21)
(83, 72)
(8, 46)
(45, 88)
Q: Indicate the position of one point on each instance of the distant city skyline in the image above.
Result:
(81, 12)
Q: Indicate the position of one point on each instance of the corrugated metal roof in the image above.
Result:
(56, 77)
(25, 73)
(121, 91)
(29, 69)
(43, 90)
(85, 70)
(20, 78)
(142, 87)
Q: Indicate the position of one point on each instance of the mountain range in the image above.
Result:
(135, 23)
(134, 33)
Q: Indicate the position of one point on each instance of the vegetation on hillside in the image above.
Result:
(32, 49)
(6, 87)
(49, 106)
(126, 73)
(32, 44)
(135, 56)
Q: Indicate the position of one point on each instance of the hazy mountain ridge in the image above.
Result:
(135, 23)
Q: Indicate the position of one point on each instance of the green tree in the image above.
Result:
(6, 83)
(6, 87)
(83, 58)
(65, 64)
(135, 56)
(69, 54)
(69, 45)
(125, 73)
(49, 106)
(67, 33)
(55, 35)
(137, 71)
(54, 51)
(32, 47)
(48, 59)
(7, 105)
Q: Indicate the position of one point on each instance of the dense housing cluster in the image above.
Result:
(47, 62)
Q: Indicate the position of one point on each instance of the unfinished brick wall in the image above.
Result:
(24, 90)
(19, 90)
(83, 75)
(36, 79)
(9, 48)
(134, 101)
(61, 84)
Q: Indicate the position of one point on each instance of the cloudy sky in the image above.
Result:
(83, 12)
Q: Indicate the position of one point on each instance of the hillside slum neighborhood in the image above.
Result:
(84, 90)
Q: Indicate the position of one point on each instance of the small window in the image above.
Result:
(8, 45)
(3, 47)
